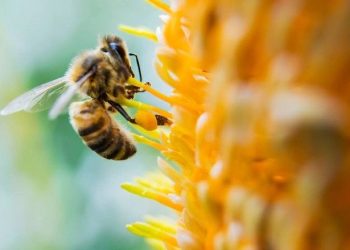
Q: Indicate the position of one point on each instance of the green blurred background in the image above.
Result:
(54, 192)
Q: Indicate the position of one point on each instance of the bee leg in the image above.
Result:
(143, 90)
(137, 89)
(130, 91)
(122, 111)
(101, 101)
(133, 88)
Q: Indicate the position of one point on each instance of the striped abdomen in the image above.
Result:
(99, 131)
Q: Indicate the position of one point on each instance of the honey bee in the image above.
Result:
(99, 131)
(101, 74)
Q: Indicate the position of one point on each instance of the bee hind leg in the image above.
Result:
(122, 111)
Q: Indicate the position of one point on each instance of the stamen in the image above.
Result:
(151, 90)
(179, 158)
(159, 186)
(151, 194)
(154, 134)
(156, 244)
(144, 140)
(169, 171)
(143, 32)
(163, 224)
(143, 106)
(176, 100)
(160, 5)
(150, 231)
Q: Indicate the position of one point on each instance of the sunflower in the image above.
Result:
(257, 155)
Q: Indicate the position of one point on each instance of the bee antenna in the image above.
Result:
(138, 65)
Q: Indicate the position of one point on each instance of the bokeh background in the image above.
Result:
(54, 192)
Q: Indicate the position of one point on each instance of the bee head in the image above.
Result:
(116, 50)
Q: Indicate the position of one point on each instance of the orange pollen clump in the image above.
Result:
(146, 119)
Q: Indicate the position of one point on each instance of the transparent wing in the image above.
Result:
(37, 99)
(67, 96)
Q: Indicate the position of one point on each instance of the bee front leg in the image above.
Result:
(122, 111)
(137, 89)
(131, 90)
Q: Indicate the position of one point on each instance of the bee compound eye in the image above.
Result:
(117, 48)
(104, 50)
(114, 46)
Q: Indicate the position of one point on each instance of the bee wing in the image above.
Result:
(37, 99)
(67, 96)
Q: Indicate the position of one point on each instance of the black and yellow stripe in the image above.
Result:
(100, 132)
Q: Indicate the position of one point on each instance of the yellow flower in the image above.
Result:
(257, 156)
